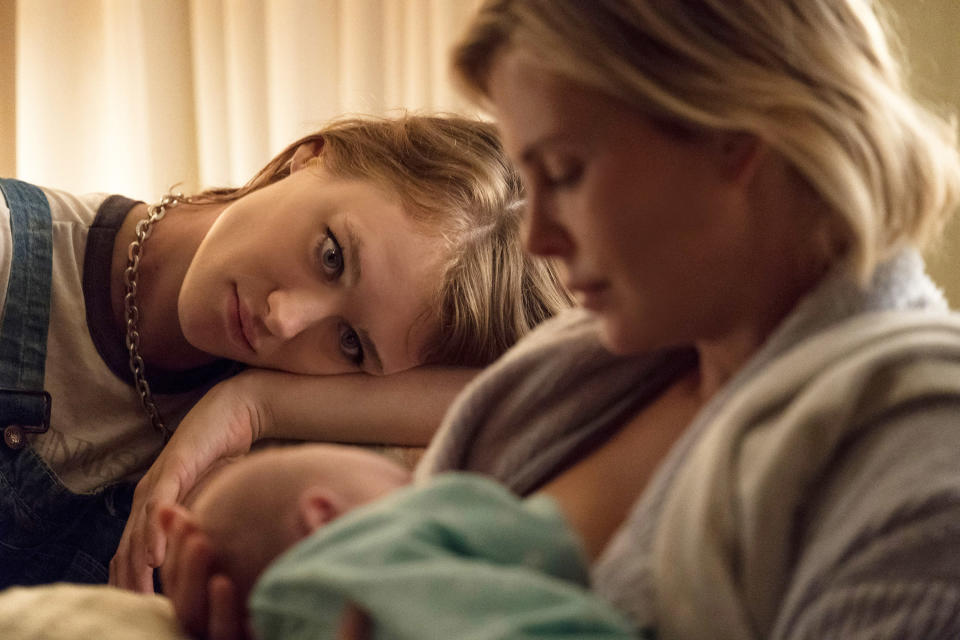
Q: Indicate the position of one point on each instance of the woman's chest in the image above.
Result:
(597, 492)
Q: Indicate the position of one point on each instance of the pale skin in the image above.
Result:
(246, 280)
(704, 240)
(669, 241)
(310, 276)
(260, 404)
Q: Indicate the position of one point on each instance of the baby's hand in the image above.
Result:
(355, 625)
(206, 603)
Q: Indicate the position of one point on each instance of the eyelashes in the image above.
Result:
(350, 344)
(330, 256)
(331, 260)
(566, 177)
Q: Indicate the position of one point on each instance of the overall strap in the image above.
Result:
(24, 405)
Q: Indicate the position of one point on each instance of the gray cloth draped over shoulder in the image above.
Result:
(555, 395)
(744, 529)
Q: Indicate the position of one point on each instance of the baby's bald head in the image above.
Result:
(256, 508)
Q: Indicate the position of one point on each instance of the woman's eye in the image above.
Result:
(351, 346)
(330, 256)
(562, 176)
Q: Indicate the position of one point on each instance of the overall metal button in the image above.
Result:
(14, 437)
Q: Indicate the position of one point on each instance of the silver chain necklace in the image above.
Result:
(155, 213)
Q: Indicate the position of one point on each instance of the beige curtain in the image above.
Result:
(132, 96)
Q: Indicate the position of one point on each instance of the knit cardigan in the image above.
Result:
(816, 495)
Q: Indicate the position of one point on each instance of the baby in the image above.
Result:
(255, 509)
(461, 555)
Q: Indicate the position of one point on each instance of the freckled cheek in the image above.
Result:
(598, 208)
(414, 325)
(599, 236)
(313, 352)
(416, 342)
(201, 318)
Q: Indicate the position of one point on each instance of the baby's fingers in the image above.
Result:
(128, 567)
(187, 569)
(155, 537)
(226, 611)
(354, 625)
(174, 521)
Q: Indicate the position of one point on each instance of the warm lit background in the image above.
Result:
(131, 96)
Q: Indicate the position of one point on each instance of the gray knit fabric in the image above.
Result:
(880, 551)
(877, 552)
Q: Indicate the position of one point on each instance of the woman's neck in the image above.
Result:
(771, 298)
(795, 241)
(165, 257)
(720, 360)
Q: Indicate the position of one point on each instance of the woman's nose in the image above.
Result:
(291, 311)
(543, 234)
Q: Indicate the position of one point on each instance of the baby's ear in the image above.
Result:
(168, 515)
(318, 506)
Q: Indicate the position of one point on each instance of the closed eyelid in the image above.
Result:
(550, 166)
(556, 165)
(533, 154)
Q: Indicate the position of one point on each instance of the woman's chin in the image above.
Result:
(614, 337)
(206, 348)
(621, 337)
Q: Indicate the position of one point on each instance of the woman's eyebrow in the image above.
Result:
(354, 253)
(355, 271)
(370, 351)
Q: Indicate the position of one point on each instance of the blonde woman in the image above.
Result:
(372, 247)
(738, 191)
(752, 425)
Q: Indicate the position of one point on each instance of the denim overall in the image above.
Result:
(47, 533)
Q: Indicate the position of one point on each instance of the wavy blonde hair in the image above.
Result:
(454, 180)
(815, 79)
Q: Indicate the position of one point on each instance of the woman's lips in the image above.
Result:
(591, 294)
(244, 324)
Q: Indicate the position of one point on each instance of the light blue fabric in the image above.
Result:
(460, 558)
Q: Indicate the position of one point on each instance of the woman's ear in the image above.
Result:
(304, 154)
(317, 506)
(740, 156)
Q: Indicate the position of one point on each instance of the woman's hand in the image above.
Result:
(257, 403)
(223, 425)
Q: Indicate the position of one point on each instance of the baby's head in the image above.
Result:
(256, 508)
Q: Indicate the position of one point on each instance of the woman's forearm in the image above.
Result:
(403, 409)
